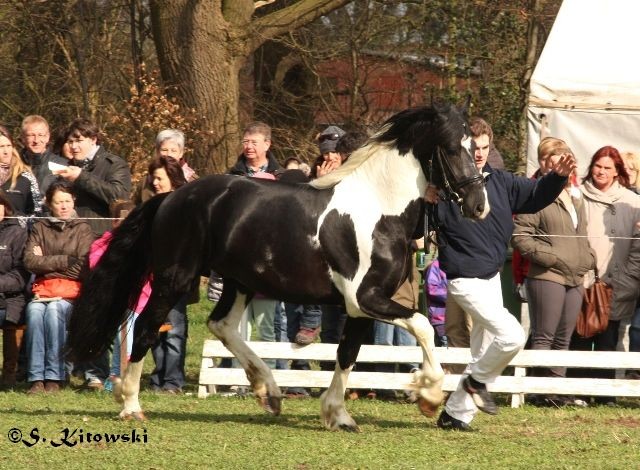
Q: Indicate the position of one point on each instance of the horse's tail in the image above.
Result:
(113, 286)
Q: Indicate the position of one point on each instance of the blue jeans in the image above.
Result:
(390, 335)
(46, 334)
(263, 312)
(333, 319)
(117, 344)
(170, 350)
(280, 329)
(301, 316)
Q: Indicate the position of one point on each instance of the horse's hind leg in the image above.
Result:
(145, 334)
(126, 392)
(427, 382)
(333, 412)
(223, 322)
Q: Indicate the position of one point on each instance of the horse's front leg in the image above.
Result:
(427, 382)
(333, 412)
(223, 322)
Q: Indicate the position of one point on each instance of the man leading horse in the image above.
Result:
(472, 253)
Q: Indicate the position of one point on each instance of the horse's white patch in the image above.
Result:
(259, 268)
(268, 254)
(467, 143)
(314, 241)
(381, 186)
(487, 208)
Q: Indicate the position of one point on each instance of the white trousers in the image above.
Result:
(496, 337)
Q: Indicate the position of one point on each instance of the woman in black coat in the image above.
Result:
(13, 279)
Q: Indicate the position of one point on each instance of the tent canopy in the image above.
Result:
(585, 88)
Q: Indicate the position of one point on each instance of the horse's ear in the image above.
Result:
(466, 105)
(438, 104)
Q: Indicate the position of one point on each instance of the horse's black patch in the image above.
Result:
(262, 236)
(338, 236)
(391, 262)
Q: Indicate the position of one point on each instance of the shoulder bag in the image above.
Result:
(596, 307)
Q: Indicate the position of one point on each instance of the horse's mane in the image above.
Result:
(402, 130)
(357, 158)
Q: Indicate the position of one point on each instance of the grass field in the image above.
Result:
(70, 430)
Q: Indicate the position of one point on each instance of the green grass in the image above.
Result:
(234, 433)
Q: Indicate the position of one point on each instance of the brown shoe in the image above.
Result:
(307, 336)
(353, 395)
(52, 386)
(36, 387)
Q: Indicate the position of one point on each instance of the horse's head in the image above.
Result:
(439, 138)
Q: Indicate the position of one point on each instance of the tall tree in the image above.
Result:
(202, 47)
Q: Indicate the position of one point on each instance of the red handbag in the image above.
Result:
(56, 288)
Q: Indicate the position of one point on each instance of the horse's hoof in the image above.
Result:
(271, 404)
(135, 415)
(427, 408)
(350, 428)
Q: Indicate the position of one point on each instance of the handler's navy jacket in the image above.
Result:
(478, 248)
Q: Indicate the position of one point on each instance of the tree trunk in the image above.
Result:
(202, 47)
(200, 64)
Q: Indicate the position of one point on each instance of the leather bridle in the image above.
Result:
(451, 188)
(451, 185)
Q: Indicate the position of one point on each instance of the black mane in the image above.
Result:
(418, 129)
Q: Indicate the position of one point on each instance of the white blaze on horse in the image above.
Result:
(348, 241)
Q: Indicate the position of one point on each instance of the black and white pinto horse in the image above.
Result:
(343, 238)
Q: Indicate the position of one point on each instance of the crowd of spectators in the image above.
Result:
(59, 200)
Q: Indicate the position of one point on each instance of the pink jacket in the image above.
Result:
(96, 251)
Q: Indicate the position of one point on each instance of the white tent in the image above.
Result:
(586, 86)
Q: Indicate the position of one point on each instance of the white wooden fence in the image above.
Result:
(517, 384)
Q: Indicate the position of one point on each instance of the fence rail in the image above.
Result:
(517, 384)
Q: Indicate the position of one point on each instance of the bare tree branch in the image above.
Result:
(262, 3)
(290, 18)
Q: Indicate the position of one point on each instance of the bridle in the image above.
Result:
(451, 185)
(451, 188)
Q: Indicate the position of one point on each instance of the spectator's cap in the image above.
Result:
(328, 139)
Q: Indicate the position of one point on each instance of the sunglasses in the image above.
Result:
(324, 137)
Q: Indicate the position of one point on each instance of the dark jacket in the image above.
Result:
(478, 248)
(65, 245)
(241, 168)
(25, 195)
(39, 163)
(103, 180)
(13, 275)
